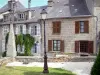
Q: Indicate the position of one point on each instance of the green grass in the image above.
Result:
(32, 71)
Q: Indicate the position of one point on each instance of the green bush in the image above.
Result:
(96, 67)
(4, 54)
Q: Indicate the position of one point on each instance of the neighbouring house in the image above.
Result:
(71, 25)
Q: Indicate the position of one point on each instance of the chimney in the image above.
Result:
(29, 11)
(11, 4)
(50, 3)
(29, 4)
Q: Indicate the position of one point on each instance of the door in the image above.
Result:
(84, 46)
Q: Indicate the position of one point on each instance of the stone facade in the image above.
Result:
(29, 22)
(68, 33)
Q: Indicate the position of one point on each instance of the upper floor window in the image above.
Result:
(5, 30)
(21, 16)
(6, 18)
(82, 27)
(56, 27)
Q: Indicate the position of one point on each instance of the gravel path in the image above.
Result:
(80, 68)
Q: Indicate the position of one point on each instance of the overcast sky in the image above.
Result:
(25, 2)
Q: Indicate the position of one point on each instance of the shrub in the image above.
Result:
(96, 67)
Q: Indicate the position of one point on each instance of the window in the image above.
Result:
(84, 46)
(56, 27)
(35, 30)
(81, 27)
(21, 16)
(5, 30)
(35, 50)
(6, 18)
(56, 45)
(21, 29)
(32, 30)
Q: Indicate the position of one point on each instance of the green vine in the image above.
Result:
(25, 40)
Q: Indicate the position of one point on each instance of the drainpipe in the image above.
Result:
(96, 34)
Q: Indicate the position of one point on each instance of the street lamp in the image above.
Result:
(43, 16)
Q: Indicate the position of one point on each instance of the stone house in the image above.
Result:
(70, 25)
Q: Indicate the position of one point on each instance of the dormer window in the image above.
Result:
(21, 16)
(6, 17)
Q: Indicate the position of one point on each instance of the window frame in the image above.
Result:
(58, 47)
(80, 25)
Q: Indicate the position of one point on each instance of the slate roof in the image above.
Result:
(65, 9)
(60, 9)
(19, 6)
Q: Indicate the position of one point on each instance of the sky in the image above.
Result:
(25, 2)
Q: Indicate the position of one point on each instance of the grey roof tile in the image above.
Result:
(79, 8)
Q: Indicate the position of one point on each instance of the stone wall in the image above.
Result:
(4, 61)
(68, 33)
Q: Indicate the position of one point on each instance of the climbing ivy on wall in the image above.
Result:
(28, 43)
(25, 40)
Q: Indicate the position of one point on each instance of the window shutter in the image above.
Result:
(86, 25)
(56, 27)
(90, 47)
(77, 46)
(49, 45)
(77, 26)
(62, 46)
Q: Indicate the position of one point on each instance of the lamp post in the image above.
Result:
(43, 16)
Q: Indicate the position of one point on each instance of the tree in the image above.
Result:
(96, 67)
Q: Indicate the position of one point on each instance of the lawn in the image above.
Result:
(32, 71)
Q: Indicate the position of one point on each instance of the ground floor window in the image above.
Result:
(35, 48)
(56, 45)
(84, 46)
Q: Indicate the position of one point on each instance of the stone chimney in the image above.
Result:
(29, 11)
(50, 3)
(11, 3)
